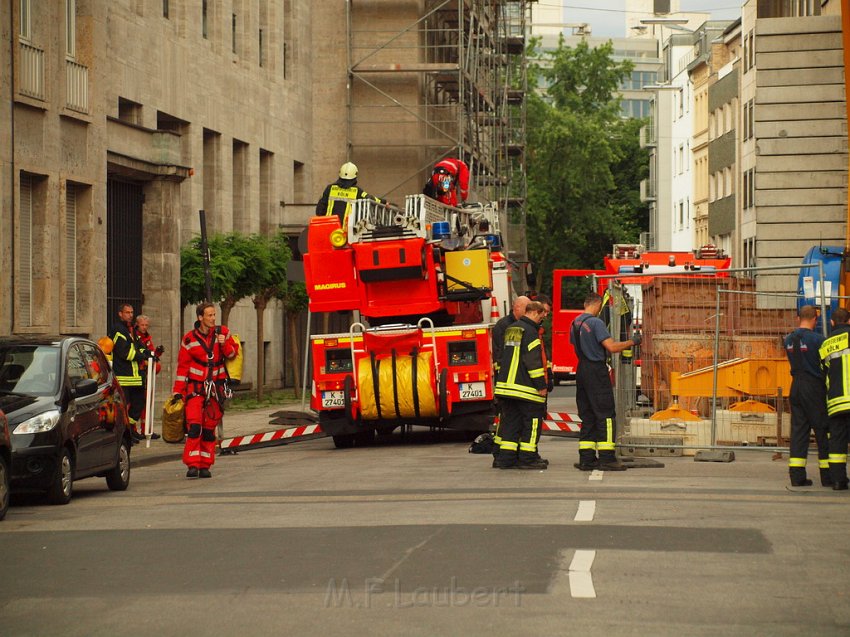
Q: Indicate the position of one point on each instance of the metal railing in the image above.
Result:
(32, 71)
(77, 86)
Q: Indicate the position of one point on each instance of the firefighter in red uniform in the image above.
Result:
(202, 381)
(449, 183)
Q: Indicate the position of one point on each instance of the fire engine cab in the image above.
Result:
(420, 282)
(634, 266)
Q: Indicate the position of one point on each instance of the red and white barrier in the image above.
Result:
(271, 436)
(562, 422)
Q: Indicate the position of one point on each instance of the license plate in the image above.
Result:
(471, 391)
(333, 399)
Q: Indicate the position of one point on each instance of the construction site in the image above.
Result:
(420, 81)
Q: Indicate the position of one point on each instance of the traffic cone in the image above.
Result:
(494, 310)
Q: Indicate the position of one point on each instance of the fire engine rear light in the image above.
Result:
(470, 377)
(331, 385)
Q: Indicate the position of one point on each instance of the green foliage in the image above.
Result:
(584, 161)
(295, 299)
(227, 267)
(269, 270)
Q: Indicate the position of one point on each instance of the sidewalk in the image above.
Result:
(241, 422)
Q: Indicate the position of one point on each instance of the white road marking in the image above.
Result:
(596, 474)
(581, 581)
(586, 511)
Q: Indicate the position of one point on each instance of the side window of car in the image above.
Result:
(98, 367)
(76, 365)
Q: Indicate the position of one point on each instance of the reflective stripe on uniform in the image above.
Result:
(796, 462)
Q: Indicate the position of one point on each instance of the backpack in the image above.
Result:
(483, 444)
(234, 365)
(173, 420)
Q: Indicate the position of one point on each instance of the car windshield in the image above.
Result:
(29, 369)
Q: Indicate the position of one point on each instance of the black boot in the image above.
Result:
(798, 477)
(587, 460)
(192, 472)
(826, 479)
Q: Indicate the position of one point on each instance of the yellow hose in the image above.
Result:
(401, 384)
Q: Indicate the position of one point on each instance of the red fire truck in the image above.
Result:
(420, 282)
(637, 266)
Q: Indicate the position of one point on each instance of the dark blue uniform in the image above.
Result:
(594, 392)
(808, 405)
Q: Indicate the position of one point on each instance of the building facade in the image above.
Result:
(126, 118)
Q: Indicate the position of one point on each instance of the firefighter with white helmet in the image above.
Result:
(337, 197)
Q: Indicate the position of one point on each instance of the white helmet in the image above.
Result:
(348, 171)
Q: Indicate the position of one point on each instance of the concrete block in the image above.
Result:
(641, 463)
(659, 446)
(704, 455)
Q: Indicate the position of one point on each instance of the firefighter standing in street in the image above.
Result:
(808, 399)
(145, 338)
(521, 388)
(201, 380)
(337, 197)
(497, 334)
(127, 355)
(594, 392)
(835, 354)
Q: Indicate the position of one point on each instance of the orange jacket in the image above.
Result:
(201, 358)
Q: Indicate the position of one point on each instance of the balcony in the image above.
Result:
(647, 190)
(31, 80)
(77, 86)
(648, 138)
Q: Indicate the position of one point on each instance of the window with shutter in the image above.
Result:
(71, 255)
(23, 312)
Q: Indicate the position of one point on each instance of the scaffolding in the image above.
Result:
(429, 79)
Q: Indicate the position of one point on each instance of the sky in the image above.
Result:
(607, 17)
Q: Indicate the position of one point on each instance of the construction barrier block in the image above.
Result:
(641, 463)
(649, 446)
(714, 456)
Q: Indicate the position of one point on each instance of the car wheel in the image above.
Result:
(63, 482)
(118, 478)
(4, 487)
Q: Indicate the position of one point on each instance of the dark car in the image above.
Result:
(5, 464)
(66, 415)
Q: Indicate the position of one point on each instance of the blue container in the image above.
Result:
(808, 287)
(441, 230)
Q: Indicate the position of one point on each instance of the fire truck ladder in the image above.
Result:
(370, 220)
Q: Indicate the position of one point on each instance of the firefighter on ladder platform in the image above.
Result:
(202, 381)
(449, 182)
(337, 197)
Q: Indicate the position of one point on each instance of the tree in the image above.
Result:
(584, 161)
(295, 301)
(269, 258)
(227, 269)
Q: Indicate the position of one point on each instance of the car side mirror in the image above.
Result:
(84, 387)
